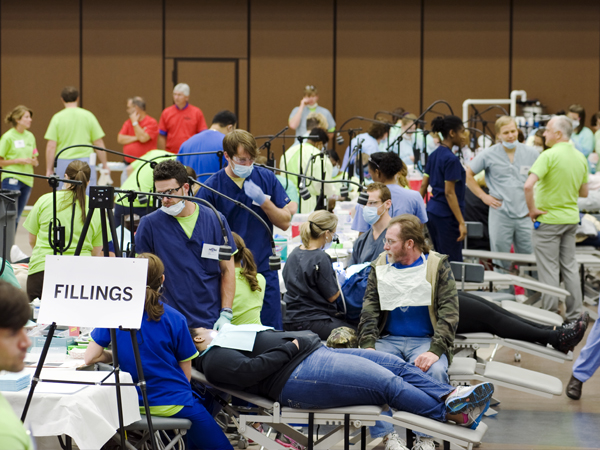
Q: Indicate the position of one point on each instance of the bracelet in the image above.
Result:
(134, 123)
(229, 310)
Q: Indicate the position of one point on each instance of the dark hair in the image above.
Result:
(399, 111)
(384, 191)
(378, 130)
(595, 119)
(333, 155)
(323, 137)
(14, 306)
(79, 171)
(244, 256)
(446, 124)
(578, 109)
(224, 118)
(170, 169)
(312, 122)
(139, 102)
(233, 140)
(69, 94)
(410, 228)
(156, 269)
(388, 163)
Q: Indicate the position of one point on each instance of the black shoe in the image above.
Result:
(574, 388)
(568, 338)
(583, 320)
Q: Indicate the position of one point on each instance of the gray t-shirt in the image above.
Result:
(301, 130)
(367, 248)
(309, 281)
(505, 179)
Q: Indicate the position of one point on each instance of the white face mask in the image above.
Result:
(335, 172)
(174, 210)
(575, 123)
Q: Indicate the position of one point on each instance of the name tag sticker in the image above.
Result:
(210, 251)
(20, 143)
(525, 170)
(13, 181)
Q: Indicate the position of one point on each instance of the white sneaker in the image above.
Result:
(424, 444)
(394, 442)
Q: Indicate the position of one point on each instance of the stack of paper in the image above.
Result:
(14, 381)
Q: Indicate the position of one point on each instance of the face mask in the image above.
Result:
(509, 145)
(539, 148)
(575, 123)
(335, 172)
(326, 246)
(174, 210)
(242, 171)
(370, 214)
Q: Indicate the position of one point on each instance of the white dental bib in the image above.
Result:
(400, 288)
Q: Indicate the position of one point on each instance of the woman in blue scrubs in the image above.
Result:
(166, 350)
(447, 178)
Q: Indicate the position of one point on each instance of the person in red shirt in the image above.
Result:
(180, 121)
(139, 133)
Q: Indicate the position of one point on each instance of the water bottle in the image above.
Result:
(36, 308)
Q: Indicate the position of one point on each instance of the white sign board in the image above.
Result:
(88, 291)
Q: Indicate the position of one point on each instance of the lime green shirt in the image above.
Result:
(188, 223)
(73, 126)
(12, 434)
(38, 222)
(14, 145)
(145, 177)
(247, 303)
(561, 170)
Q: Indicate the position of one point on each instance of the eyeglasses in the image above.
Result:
(243, 161)
(390, 241)
(373, 203)
(334, 236)
(170, 191)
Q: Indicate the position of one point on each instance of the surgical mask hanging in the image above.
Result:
(370, 214)
(242, 171)
(175, 209)
(335, 172)
(510, 145)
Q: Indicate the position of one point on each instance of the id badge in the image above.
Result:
(13, 181)
(210, 251)
(525, 170)
(19, 144)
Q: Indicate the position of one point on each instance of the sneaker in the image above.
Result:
(583, 320)
(568, 338)
(394, 442)
(424, 444)
(465, 398)
(288, 442)
(473, 417)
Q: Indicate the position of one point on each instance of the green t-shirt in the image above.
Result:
(38, 222)
(73, 126)
(145, 177)
(9, 274)
(12, 433)
(188, 223)
(14, 145)
(561, 170)
(247, 303)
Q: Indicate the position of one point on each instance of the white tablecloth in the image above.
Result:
(89, 415)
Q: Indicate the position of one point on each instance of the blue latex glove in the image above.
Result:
(254, 192)
(224, 317)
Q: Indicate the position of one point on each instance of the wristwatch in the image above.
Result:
(134, 123)
(229, 310)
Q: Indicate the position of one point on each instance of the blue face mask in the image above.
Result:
(242, 171)
(326, 246)
(370, 214)
(335, 172)
(510, 145)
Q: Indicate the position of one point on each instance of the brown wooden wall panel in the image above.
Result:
(556, 48)
(466, 51)
(204, 28)
(291, 46)
(122, 58)
(378, 57)
(40, 55)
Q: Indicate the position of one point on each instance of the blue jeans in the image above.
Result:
(204, 434)
(331, 378)
(22, 200)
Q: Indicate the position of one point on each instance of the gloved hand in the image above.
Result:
(224, 317)
(254, 192)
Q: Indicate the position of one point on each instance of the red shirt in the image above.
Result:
(138, 148)
(178, 125)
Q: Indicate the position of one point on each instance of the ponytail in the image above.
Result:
(79, 171)
(245, 258)
(156, 269)
(318, 223)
